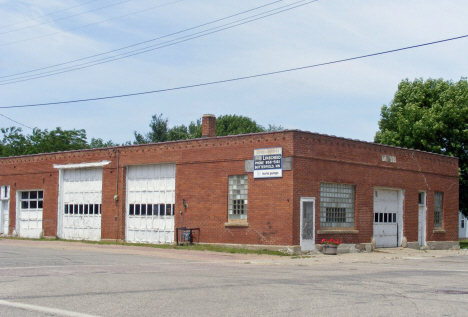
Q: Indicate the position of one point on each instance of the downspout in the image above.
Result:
(116, 197)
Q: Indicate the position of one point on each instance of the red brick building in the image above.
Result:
(325, 187)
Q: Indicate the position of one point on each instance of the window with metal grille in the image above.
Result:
(32, 199)
(237, 202)
(335, 214)
(438, 208)
(336, 205)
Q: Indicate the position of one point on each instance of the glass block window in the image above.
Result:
(336, 205)
(438, 203)
(237, 203)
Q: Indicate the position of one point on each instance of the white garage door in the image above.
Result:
(30, 214)
(81, 204)
(386, 218)
(150, 203)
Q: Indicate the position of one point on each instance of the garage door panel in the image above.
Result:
(149, 189)
(82, 195)
(29, 214)
(385, 218)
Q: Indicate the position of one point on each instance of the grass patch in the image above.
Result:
(464, 244)
(301, 257)
(194, 247)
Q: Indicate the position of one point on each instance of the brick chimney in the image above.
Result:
(208, 126)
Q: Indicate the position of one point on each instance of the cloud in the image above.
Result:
(342, 99)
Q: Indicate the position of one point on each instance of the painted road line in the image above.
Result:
(47, 310)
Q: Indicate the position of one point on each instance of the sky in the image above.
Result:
(342, 99)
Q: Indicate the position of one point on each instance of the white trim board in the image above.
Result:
(82, 165)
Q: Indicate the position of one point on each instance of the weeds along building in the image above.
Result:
(277, 189)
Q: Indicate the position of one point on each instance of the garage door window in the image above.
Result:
(438, 208)
(32, 199)
(237, 205)
(336, 205)
(82, 209)
(151, 209)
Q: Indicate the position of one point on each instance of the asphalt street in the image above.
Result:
(56, 278)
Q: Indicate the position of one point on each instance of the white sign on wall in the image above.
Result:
(268, 162)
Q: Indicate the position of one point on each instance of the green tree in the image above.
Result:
(158, 131)
(99, 143)
(231, 124)
(225, 125)
(14, 142)
(432, 116)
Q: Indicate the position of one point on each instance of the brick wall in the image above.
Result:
(203, 167)
(320, 158)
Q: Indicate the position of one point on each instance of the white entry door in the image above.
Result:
(4, 217)
(29, 218)
(307, 224)
(386, 217)
(81, 197)
(4, 209)
(422, 219)
(150, 203)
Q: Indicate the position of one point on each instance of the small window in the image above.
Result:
(31, 199)
(4, 192)
(137, 210)
(422, 198)
(237, 197)
(438, 209)
(462, 224)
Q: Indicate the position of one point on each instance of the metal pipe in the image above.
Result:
(117, 194)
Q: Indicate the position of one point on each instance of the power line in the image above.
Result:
(16, 121)
(70, 16)
(238, 78)
(90, 24)
(153, 47)
(144, 42)
(4, 26)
